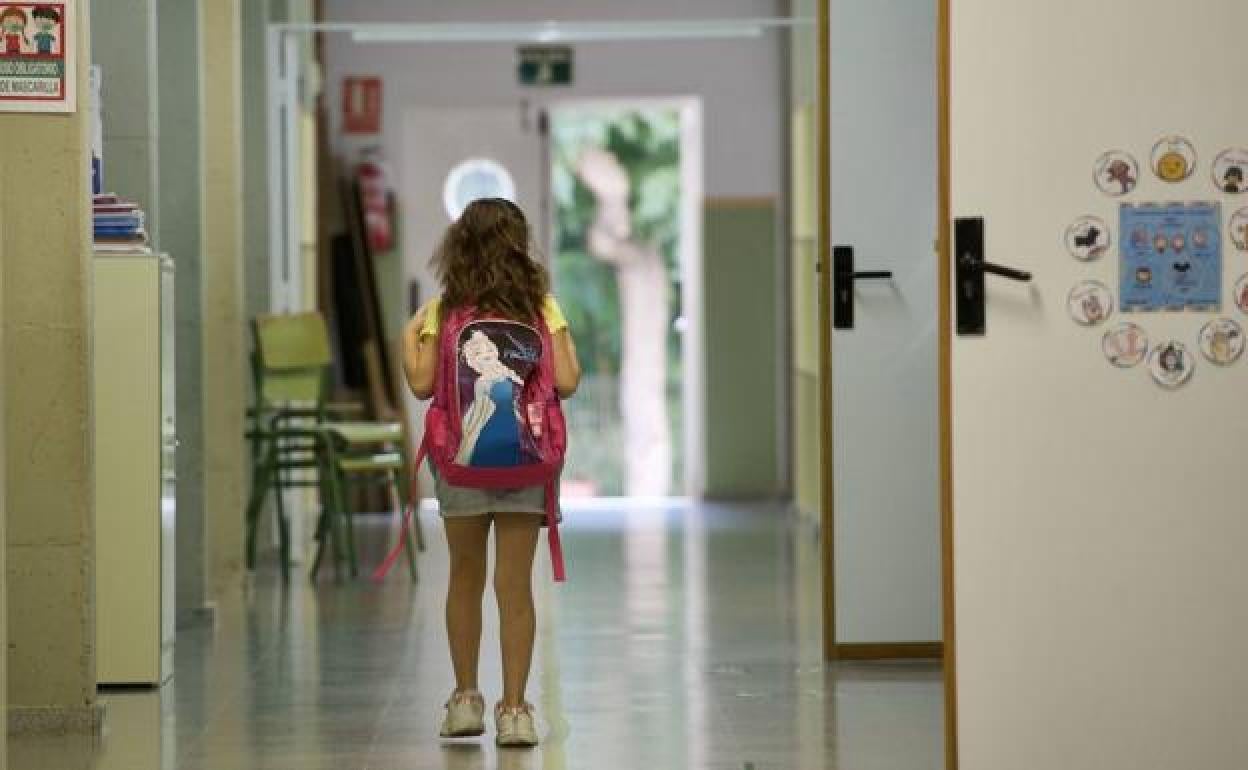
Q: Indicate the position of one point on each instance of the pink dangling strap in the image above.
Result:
(552, 532)
(552, 526)
(409, 510)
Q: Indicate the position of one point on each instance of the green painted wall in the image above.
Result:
(179, 176)
(803, 243)
(742, 359)
(255, 164)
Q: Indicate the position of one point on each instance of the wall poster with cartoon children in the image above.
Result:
(37, 67)
(1171, 257)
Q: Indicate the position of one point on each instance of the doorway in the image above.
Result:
(881, 492)
(1095, 512)
(625, 253)
(634, 305)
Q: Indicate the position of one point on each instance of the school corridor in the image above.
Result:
(886, 359)
(687, 636)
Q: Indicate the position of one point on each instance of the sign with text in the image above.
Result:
(544, 65)
(37, 56)
(1171, 257)
(361, 105)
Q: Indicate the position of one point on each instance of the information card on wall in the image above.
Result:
(37, 65)
(1171, 257)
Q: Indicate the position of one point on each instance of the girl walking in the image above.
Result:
(489, 275)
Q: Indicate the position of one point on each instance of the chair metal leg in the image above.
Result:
(399, 479)
(323, 529)
(407, 493)
(283, 524)
(337, 508)
(348, 523)
(261, 479)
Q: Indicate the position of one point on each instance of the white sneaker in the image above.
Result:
(465, 715)
(515, 726)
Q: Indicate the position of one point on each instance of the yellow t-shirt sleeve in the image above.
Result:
(432, 318)
(550, 311)
(553, 314)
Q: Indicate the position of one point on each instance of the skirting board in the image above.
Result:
(890, 651)
(56, 721)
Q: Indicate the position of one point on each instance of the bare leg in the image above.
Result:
(468, 538)
(516, 537)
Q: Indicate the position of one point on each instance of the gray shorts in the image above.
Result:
(454, 502)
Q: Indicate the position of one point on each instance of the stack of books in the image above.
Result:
(120, 226)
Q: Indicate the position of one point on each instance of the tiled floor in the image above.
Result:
(687, 637)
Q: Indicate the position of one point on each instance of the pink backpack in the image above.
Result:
(496, 421)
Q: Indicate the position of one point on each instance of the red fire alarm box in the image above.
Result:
(361, 105)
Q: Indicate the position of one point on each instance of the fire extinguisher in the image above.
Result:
(374, 187)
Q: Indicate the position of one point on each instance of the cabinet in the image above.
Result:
(135, 449)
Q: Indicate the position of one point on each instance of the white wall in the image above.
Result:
(740, 82)
(1099, 521)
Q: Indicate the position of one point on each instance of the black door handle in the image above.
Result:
(969, 269)
(1007, 272)
(843, 278)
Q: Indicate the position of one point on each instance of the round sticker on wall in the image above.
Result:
(1125, 345)
(1230, 171)
(1241, 294)
(1174, 159)
(1117, 173)
(1088, 238)
(1090, 303)
(1170, 364)
(1222, 341)
(1239, 229)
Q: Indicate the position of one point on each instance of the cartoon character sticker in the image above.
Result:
(495, 359)
(1239, 229)
(13, 23)
(16, 25)
(1171, 364)
(1088, 238)
(1117, 173)
(1230, 171)
(1125, 345)
(1241, 294)
(47, 21)
(1222, 341)
(1174, 159)
(1090, 303)
(1201, 238)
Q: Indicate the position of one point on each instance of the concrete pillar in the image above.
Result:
(255, 159)
(4, 611)
(257, 261)
(47, 412)
(125, 49)
(224, 374)
(179, 234)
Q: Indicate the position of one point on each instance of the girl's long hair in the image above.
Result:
(484, 263)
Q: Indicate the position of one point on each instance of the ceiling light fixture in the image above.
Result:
(570, 32)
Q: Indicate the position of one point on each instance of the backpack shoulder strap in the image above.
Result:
(448, 353)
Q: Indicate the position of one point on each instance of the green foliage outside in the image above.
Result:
(647, 145)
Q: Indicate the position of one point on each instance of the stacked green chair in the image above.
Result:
(298, 439)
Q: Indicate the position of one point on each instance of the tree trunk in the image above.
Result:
(643, 288)
(641, 279)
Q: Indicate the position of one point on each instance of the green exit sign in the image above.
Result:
(544, 65)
